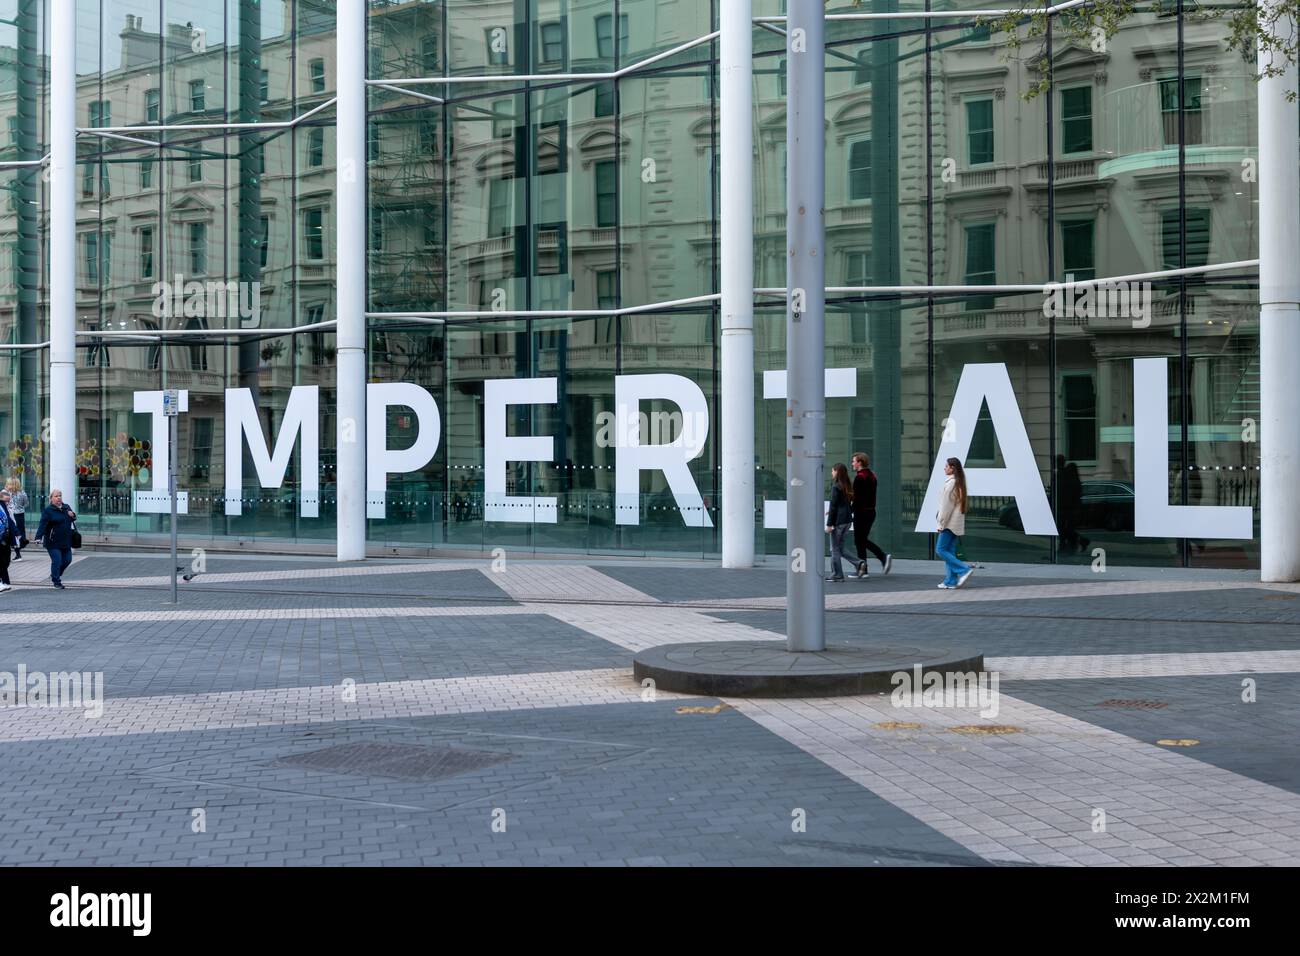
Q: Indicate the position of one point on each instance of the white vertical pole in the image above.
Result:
(1279, 317)
(736, 223)
(805, 230)
(60, 459)
(350, 282)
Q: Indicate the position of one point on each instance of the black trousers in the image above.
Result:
(862, 536)
(4, 559)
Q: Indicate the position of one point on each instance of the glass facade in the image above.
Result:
(521, 183)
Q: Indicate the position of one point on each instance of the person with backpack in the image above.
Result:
(55, 533)
(864, 514)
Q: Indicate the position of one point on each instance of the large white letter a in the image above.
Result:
(1019, 478)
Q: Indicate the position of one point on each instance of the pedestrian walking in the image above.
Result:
(17, 509)
(839, 516)
(952, 525)
(8, 538)
(55, 533)
(864, 514)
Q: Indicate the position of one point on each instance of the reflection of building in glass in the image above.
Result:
(552, 196)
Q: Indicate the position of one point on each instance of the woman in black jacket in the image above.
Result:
(55, 533)
(839, 518)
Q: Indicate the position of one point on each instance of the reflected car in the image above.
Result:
(1106, 504)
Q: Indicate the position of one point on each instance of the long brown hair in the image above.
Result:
(959, 475)
(840, 476)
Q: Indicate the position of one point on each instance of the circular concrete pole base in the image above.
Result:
(767, 669)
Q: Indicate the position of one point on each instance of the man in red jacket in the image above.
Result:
(864, 514)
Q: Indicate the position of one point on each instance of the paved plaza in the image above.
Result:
(472, 711)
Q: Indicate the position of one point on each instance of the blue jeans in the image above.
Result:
(946, 549)
(60, 558)
(839, 545)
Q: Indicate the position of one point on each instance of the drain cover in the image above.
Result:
(403, 761)
(1135, 704)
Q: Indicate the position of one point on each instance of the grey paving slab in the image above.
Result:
(1256, 740)
(638, 784)
(1002, 634)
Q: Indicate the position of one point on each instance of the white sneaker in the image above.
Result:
(6, 587)
(963, 579)
(944, 587)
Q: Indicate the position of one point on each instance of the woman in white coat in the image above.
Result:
(952, 525)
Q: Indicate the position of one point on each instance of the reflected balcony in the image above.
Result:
(1143, 121)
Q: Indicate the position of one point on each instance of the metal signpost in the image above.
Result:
(170, 411)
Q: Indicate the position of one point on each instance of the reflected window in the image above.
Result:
(316, 146)
(153, 355)
(604, 99)
(979, 131)
(198, 239)
(313, 234)
(607, 289)
(1191, 109)
(101, 113)
(146, 252)
(1079, 417)
(198, 353)
(152, 106)
(781, 74)
(97, 352)
(146, 174)
(264, 240)
(198, 96)
(1078, 249)
(316, 74)
(88, 179)
(980, 262)
(1076, 120)
(201, 432)
(860, 169)
(503, 118)
(195, 170)
(499, 195)
(605, 35)
(550, 47)
(372, 141)
(90, 257)
(606, 198)
(264, 86)
(376, 229)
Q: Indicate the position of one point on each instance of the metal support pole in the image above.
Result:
(61, 427)
(171, 490)
(805, 325)
(350, 272)
(1279, 315)
(736, 225)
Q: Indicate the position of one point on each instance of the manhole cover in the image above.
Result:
(1136, 704)
(403, 761)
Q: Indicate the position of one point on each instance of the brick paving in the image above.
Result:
(297, 711)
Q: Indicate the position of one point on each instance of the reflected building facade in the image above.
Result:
(207, 153)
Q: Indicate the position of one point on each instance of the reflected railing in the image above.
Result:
(1218, 125)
